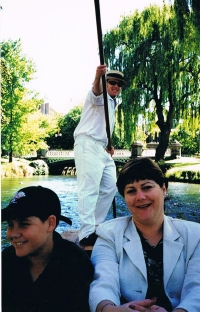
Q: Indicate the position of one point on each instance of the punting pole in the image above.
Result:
(101, 55)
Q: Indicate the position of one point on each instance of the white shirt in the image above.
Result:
(92, 121)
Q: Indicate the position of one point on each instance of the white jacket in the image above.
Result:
(120, 268)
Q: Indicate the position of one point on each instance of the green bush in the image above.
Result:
(164, 166)
(183, 175)
(40, 167)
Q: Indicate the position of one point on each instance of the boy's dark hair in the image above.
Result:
(35, 201)
(140, 169)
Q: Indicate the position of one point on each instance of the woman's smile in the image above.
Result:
(143, 206)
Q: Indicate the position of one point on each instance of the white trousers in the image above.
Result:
(96, 183)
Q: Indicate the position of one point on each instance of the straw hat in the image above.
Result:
(115, 74)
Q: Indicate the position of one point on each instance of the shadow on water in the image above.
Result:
(182, 200)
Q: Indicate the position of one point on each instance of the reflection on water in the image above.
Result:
(183, 199)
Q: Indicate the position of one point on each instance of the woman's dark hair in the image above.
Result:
(140, 169)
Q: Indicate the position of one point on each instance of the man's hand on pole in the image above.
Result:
(111, 152)
(97, 86)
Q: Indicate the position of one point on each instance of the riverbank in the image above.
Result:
(17, 168)
(184, 169)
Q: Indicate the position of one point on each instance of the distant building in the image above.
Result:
(46, 109)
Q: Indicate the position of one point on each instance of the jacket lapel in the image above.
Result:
(172, 249)
(133, 248)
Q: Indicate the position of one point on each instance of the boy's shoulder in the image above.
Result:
(69, 250)
(8, 251)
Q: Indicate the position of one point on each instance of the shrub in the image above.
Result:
(40, 167)
(183, 175)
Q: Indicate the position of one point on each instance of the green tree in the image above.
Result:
(185, 9)
(35, 130)
(55, 135)
(187, 133)
(66, 126)
(18, 105)
(162, 72)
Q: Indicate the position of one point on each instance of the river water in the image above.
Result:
(182, 200)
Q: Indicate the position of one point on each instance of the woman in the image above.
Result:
(148, 255)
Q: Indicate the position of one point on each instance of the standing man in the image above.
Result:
(96, 171)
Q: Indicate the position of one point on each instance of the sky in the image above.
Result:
(60, 37)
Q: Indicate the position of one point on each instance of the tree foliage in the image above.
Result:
(23, 127)
(68, 126)
(162, 71)
(187, 136)
(65, 127)
(185, 9)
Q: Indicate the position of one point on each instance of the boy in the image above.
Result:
(41, 271)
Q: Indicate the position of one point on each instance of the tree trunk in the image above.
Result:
(164, 126)
(163, 143)
(10, 155)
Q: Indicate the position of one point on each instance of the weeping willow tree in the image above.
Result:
(185, 9)
(162, 71)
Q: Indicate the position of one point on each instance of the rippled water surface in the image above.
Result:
(183, 199)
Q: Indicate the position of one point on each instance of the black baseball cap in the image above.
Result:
(35, 201)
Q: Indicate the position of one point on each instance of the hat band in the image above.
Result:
(114, 75)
